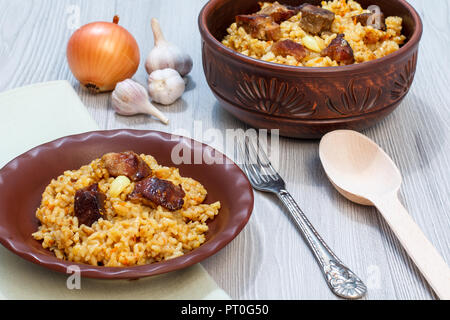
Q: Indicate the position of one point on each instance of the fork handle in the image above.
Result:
(341, 280)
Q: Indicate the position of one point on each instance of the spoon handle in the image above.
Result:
(341, 280)
(419, 248)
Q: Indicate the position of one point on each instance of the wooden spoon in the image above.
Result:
(363, 173)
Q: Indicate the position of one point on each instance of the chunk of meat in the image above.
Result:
(89, 203)
(339, 50)
(289, 47)
(127, 164)
(259, 26)
(278, 12)
(374, 19)
(298, 8)
(315, 19)
(154, 192)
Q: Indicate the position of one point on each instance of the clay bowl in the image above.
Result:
(305, 102)
(23, 180)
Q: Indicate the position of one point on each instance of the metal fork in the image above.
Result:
(263, 177)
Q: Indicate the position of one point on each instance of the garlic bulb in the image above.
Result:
(166, 55)
(165, 86)
(130, 98)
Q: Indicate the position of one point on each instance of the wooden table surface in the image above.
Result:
(269, 259)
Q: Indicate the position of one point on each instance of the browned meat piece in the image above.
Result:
(127, 164)
(154, 192)
(315, 20)
(278, 12)
(376, 20)
(339, 50)
(89, 203)
(259, 26)
(289, 47)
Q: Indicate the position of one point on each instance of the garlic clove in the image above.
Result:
(151, 109)
(130, 98)
(165, 86)
(166, 55)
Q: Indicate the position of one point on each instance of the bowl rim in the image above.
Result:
(51, 262)
(361, 67)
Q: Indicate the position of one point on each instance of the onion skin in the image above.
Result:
(101, 54)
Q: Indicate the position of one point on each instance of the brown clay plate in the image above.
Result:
(23, 180)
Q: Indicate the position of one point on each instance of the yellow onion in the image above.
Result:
(101, 54)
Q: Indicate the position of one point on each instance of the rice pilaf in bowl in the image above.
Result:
(278, 33)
